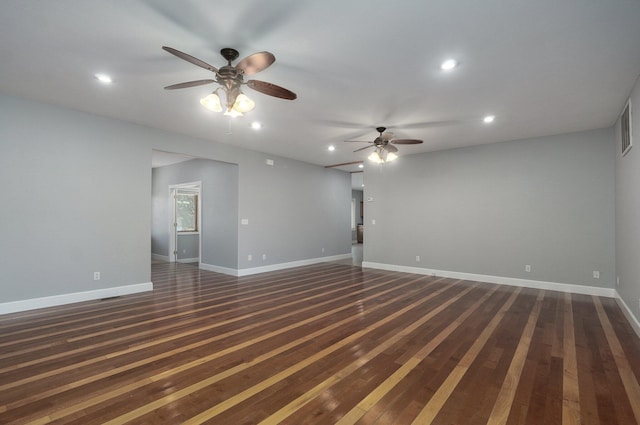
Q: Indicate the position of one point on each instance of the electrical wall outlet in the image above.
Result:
(249, 257)
(527, 268)
(264, 257)
(596, 274)
(96, 275)
(418, 258)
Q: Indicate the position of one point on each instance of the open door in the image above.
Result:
(185, 224)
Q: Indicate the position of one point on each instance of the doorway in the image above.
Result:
(185, 228)
(357, 223)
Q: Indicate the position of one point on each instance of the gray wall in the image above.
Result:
(219, 203)
(79, 201)
(628, 211)
(492, 209)
(75, 201)
(294, 211)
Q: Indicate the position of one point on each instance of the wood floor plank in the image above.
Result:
(59, 370)
(627, 376)
(287, 410)
(372, 398)
(178, 369)
(214, 411)
(571, 388)
(321, 344)
(168, 314)
(433, 406)
(173, 323)
(503, 403)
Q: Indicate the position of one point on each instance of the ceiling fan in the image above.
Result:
(383, 144)
(231, 79)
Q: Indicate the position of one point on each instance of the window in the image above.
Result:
(187, 212)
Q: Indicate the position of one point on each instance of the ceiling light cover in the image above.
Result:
(489, 119)
(103, 78)
(448, 65)
(212, 102)
(391, 157)
(243, 103)
(381, 155)
(332, 148)
(256, 125)
(375, 157)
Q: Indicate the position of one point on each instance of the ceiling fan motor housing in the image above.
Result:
(231, 78)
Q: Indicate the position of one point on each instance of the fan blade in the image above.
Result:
(391, 148)
(387, 135)
(343, 164)
(406, 141)
(271, 89)
(366, 147)
(191, 59)
(357, 141)
(189, 84)
(256, 63)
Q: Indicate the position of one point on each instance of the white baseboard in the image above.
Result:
(272, 267)
(56, 300)
(635, 324)
(300, 263)
(160, 257)
(536, 284)
(218, 269)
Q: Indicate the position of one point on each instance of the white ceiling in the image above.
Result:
(541, 66)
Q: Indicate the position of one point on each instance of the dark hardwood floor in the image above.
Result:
(322, 344)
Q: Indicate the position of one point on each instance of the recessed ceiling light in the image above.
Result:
(448, 65)
(103, 78)
(362, 184)
(332, 148)
(256, 125)
(361, 166)
(489, 119)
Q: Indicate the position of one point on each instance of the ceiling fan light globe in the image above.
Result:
(243, 104)
(212, 102)
(391, 156)
(375, 157)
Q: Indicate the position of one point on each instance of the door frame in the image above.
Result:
(196, 187)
